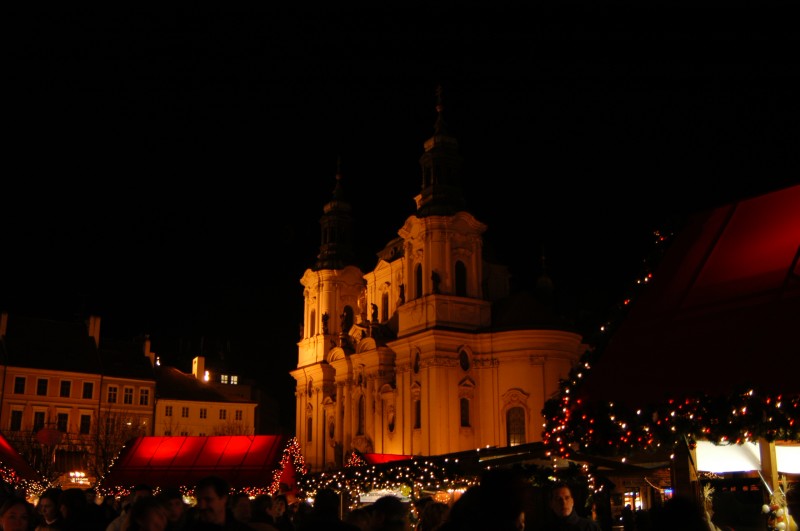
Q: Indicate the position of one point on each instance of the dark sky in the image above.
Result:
(166, 169)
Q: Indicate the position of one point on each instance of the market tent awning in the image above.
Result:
(13, 467)
(243, 460)
(721, 312)
(744, 457)
(379, 459)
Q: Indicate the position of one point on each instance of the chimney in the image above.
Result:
(3, 324)
(93, 324)
(199, 368)
(149, 353)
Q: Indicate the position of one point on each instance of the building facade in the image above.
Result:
(428, 353)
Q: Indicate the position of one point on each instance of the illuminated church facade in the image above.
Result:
(429, 353)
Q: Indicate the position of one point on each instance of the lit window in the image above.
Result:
(515, 426)
(234, 380)
(223, 378)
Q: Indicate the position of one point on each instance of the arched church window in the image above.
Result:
(461, 279)
(515, 426)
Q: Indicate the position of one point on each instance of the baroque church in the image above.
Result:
(429, 353)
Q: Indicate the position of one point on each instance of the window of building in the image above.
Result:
(66, 389)
(185, 412)
(417, 414)
(223, 414)
(461, 279)
(62, 422)
(168, 433)
(185, 433)
(309, 427)
(362, 414)
(127, 395)
(384, 307)
(112, 394)
(144, 397)
(463, 360)
(418, 281)
(19, 385)
(203, 413)
(234, 379)
(223, 378)
(168, 411)
(464, 412)
(515, 426)
(202, 434)
(313, 322)
(41, 387)
(38, 420)
(86, 424)
(88, 390)
(238, 415)
(16, 420)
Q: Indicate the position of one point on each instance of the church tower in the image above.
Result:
(429, 353)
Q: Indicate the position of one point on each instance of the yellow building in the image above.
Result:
(429, 353)
(196, 404)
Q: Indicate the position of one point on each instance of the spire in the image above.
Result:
(336, 248)
(441, 170)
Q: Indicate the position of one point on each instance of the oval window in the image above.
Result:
(463, 360)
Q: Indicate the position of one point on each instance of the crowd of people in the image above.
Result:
(500, 501)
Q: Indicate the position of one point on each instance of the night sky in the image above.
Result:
(167, 169)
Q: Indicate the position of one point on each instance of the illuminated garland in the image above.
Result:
(10, 476)
(573, 425)
(414, 476)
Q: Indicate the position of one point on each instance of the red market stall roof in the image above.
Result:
(245, 461)
(379, 459)
(722, 310)
(14, 467)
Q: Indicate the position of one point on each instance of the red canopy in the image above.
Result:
(377, 459)
(14, 467)
(723, 310)
(243, 460)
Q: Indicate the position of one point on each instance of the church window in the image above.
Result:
(313, 322)
(362, 413)
(417, 414)
(463, 360)
(416, 363)
(465, 413)
(384, 307)
(309, 428)
(461, 279)
(515, 426)
(418, 281)
(347, 319)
